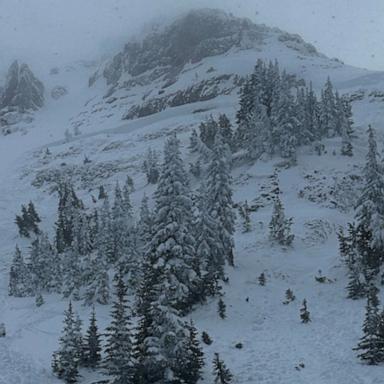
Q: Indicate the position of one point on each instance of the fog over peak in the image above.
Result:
(49, 32)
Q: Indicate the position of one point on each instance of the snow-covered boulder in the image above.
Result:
(58, 91)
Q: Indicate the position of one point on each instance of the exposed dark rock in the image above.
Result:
(203, 91)
(58, 91)
(196, 35)
(22, 90)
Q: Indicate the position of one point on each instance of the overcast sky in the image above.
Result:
(64, 30)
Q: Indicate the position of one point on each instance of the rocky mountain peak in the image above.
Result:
(190, 38)
(22, 90)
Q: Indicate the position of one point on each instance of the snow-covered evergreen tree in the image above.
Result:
(145, 224)
(208, 131)
(221, 309)
(119, 360)
(328, 112)
(220, 198)
(280, 226)
(173, 244)
(225, 130)
(284, 122)
(247, 225)
(66, 359)
(209, 250)
(371, 343)
(19, 276)
(191, 361)
(221, 373)
(69, 203)
(92, 344)
(194, 141)
(304, 313)
(151, 166)
(161, 338)
(43, 265)
(344, 125)
(370, 209)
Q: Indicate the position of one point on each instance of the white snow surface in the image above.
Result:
(274, 340)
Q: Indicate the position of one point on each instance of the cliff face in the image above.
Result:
(22, 91)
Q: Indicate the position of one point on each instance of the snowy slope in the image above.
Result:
(275, 342)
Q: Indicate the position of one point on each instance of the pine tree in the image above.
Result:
(247, 225)
(161, 337)
(42, 264)
(33, 215)
(328, 110)
(209, 251)
(151, 166)
(22, 227)
(262, 279)
(225, 129)
(221, 309)
(220, 195)
(98, 285)
(19, 276)
(221, 373)
(208, 131)
(125, 253)
(92, 344)
(72, 274)
(119, 225)
(206, 338)
(66, 359)
(304, 313)
(257, 131)
(119, 360)
(289, 296)
(69, 203)
(28, 221)
(194, 142)
(284, 121)
(279, 226)
(370, 210)
(195, 168)
(191, 360)
(39, 301)
(344, 125)
(146, 222)
(173, 243)
(102, 193)
(370, 343)
(356, 288)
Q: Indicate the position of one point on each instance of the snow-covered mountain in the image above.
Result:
(97, 122)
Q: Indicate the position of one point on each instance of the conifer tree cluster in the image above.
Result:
(172, 257)
(75, 350)
(371, 344)
(151, 166)
(28, 221)
(209, 129)
(161, 348)
(278, 113)
(87, 245)
(363, 245)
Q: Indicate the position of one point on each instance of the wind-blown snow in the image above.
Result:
(275, 341)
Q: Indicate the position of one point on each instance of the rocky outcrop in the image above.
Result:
(196, 35)
(22, 91)
(58, 92)
(202, 91)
